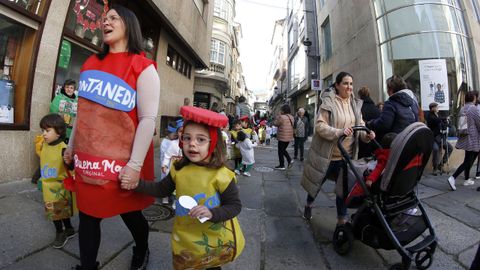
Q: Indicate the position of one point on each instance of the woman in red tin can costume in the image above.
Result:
(118, 99)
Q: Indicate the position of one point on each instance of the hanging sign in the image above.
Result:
(434, 83)
(65, 54)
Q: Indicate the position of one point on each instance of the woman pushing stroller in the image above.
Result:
(339, 111)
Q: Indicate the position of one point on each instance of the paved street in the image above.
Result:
(276, 235)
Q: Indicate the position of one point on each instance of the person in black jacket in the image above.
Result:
(437, 125)
(369, 112)
(399, 111)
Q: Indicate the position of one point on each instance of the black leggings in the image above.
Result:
(89, 235)
(282, 151)
(466, 165)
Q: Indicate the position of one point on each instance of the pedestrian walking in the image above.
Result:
(57, 200)
(400, 110)
(339, 111)
(369, 112)
(468, 139)
(284, 123)
(437, 125)
(245, 145)
(112, 138)
(301, 127)
(202, 178)
(242, 108)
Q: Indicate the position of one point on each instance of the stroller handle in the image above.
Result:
(355, 129)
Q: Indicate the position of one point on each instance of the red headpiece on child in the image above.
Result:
(210, 118)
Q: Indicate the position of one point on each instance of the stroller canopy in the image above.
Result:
(410, 152)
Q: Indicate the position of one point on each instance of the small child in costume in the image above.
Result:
(236, 155)
(268, 134)
(170, 149)
(246, 148)
(248, 130)
(381, 155)
(202, 175)
(57, 200)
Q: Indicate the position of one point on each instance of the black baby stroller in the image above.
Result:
(383, 220)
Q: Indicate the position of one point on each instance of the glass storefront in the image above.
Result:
(414, 30)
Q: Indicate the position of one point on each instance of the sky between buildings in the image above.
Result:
(257, 18)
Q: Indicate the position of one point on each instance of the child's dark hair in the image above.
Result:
(388, 139)
(241, 136)
(237, 122)
(219, 155)
(56, 122)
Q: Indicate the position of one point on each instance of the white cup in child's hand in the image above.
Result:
(188, 202)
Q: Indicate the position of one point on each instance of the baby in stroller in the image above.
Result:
(384, 219)
(371, 176)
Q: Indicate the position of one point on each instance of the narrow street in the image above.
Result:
(277, 237)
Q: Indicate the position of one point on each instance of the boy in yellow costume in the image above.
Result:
(58, 201)
(202, 175)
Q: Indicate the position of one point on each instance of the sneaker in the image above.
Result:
(290, 164)
(307, 212)
(237, 172)
(301, 159)
(70, 233)
(60, 240)
(139, 262)
(247, 174)
(295, 158)
(451, 182)
(468, 182)
(281, 168)
(477, 176)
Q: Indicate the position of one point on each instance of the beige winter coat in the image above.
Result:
(325, 140)
(284, 122)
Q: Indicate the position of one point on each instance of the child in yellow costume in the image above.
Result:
(236, 155)
(202, 175)
(57, 200)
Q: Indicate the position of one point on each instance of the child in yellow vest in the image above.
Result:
(206, 234)
(57, 200)
(236, 155)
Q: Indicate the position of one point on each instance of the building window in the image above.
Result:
(322, 3)
(217, 52)
(220, 9)
(18, 48)
(30, 7)
(290, 37)
(327, 40)
(84, 20)
(178, 62)
(476, 9)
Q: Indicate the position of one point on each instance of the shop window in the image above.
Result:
(327, 39)
(84, 20)
(30, 7)
(71, 58)
(17, 50)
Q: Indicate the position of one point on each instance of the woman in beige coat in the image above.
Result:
(339, 111)
(284, 122)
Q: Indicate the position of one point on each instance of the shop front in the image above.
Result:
(428, 44)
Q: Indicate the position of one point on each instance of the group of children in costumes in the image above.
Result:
(200, 173)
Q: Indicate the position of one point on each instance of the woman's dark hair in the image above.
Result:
(242, 99)
(55, 121)
(364, 92)
(68, 82)
(241, 136)
(388, 139)
(132, 31)
(342, 75)
(285, 109)
(396, 83)
(470, 96)
(219, 155)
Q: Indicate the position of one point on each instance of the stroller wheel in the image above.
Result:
(343, 239)
(424, 259)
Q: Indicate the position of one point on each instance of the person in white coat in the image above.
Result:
(170, 150)
(248, 155)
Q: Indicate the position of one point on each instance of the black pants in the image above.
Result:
(476, 261)
(466, 165)
(436, 152)
(89, 235)
(282, 152)
(299, 145)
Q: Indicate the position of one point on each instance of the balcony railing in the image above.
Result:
(217, 68)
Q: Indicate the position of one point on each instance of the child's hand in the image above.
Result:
(128, 178)
(369, 183)
(68, 156)
(200, 211)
